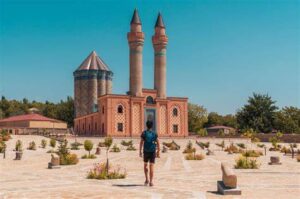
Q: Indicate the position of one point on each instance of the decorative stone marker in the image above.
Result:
(54, 164)
(274, 160)
(210, 152)
(98, 151)
(19, 155)
(228, 185)
(165, 149)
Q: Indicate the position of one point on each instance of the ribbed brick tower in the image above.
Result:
(136, 41)
(160, 41)
(91, 80)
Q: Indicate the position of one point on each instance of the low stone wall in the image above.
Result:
(288, 138)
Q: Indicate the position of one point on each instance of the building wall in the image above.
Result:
(132, 116)
(47, 124)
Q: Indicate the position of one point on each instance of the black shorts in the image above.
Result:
(149, 156)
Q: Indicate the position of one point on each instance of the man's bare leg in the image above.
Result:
(146, 172)
(151, 173)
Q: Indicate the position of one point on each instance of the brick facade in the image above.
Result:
(126, 115)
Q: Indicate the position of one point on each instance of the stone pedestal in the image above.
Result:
(19, 155)
(274, 160)
(98, 151)
(54, 164)
(222, 189)
(164, 150)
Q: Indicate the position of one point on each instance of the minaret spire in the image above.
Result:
(136, 42)
(159, 21)
(135, 18)
(160, 41)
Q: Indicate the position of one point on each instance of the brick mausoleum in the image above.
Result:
(101, 113)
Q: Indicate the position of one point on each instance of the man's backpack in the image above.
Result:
(150, 139)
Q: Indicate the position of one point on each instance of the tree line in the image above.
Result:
(63, 110)
(260, 114)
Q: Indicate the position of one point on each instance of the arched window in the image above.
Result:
(175, 112)
(149, 100)
(120, 109)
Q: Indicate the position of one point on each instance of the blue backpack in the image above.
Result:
(150, 139)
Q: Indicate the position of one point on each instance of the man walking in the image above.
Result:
(150, 145)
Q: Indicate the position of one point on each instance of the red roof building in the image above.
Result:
(30, 123)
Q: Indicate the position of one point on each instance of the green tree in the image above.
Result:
(53, 143)
(287, 120)
(88, 146)
(230, 120)
(214, 119)
(197, 117)
(258, 114)
(107, 142)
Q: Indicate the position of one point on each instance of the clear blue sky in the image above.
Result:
(219, 52)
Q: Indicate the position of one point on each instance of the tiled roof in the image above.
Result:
(220, 127)
(93, 62)
(29, 117)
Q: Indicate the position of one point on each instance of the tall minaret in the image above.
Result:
(160, 41)
(136, 41)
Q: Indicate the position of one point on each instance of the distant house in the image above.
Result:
(32, 123)
(214, 130)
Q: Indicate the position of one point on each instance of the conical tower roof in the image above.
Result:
(93, 62)
(159, 21)
(135, 18)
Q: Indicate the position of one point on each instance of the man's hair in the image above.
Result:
(149, 124)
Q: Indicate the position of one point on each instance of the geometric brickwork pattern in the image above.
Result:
(175, 119)
(163, 119)
(92, 93)
(120, 118)
(136, 122)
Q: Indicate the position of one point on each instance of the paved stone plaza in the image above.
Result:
(174, 176)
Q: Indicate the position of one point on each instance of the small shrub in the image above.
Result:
(193, 156)
(131, 148)
(252, 153)
(189, 148)
(52, 151)
(75, 145)
(241, 145)
(19, 146)
(52, 143)
(246, 163)
(115, 149)
(294, 145)
(88, 145)
(203, 145)
(233, 149)
(128, 143)
(92, 156)
(285, 150)
(101, 172)
(222, 145)
(172, 145)
(2, 146)
(261, 145)
(69, 159)
(4, 135)
(108, 142)
(44, 143)
(202, 132)
(32, 146)
(101, 144)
